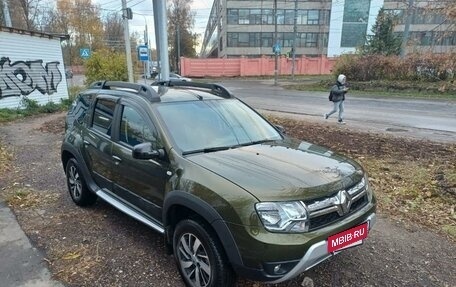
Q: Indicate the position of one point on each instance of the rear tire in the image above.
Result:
(200, 257)
(79, 192)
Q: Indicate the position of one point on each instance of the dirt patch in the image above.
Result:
(55, 126)
(100, 246)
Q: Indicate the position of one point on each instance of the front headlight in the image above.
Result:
(290, 217)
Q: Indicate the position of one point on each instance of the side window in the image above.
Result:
(134, 129)
(103, 115)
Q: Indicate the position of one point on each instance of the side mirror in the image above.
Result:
(145, 151)
(280, 129)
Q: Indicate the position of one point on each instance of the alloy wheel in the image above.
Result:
(75, 183)
(194, 260)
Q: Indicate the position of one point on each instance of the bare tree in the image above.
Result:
(2, 18)
(29, 12)
(113, 31)
(181, 39)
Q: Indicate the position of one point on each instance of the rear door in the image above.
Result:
(141, 182)
(97, 147)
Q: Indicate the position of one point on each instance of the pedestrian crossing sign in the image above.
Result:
(84, 53)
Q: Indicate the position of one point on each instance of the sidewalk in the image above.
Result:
(21, 265)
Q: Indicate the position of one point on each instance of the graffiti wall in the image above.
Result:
(31, 67)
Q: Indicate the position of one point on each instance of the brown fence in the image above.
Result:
(263, 66)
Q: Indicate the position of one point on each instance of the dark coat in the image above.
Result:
(338, 92)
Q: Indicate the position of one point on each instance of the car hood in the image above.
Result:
(283, 170)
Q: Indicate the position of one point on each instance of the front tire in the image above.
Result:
(200, 257)
(79, 192)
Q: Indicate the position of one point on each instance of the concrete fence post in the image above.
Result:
(241, 64)
(183, 65)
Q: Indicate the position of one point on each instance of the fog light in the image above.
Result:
(279, 268)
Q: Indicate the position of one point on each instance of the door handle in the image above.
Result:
(116, 159)
(87, 142)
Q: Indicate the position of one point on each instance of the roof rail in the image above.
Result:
(141, 89)
(215, 88)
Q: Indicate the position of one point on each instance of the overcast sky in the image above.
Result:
(142, 13)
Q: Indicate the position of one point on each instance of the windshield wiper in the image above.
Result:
(206, 150)
(219, 148)
(256, 142)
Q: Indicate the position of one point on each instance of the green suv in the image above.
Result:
(229, 191)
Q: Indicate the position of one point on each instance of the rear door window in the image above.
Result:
(103, 116)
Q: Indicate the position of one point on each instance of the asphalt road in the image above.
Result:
(427, 119)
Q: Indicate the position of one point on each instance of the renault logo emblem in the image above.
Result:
(343, 202)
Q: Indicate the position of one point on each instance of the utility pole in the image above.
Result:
(293, 47)
(162, 45)
(127, 41)
(177, 31)
(276, 56)
(178, 50)
(408, 21)
(146, 64)
(6, 14)
(157, 38)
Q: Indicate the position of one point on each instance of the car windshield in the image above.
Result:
(210, 125)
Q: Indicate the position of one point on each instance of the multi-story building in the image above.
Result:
(322, 27)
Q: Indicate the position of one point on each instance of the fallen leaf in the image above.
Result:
(71, 255)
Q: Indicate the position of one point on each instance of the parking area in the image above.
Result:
(99, 246)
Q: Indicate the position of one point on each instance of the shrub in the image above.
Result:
(106, 65)
(423, 67)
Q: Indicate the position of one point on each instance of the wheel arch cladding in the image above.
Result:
(68, 152)
(177, 201)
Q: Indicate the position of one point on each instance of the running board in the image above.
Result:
(128, 210)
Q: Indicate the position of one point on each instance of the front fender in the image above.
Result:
(208, 213)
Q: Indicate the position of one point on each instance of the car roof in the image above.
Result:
(165, 91)
(177, 94)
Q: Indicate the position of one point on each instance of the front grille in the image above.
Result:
(326, 219)
(341, 204)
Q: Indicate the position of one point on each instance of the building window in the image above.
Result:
(354, 27)
(243, 40)
(307, 40)
(285, 39)
(353, 34)
(313, 17)
(232, 39)
(398, 14)
(280, 17)
(423, 16)
(233, 16)
(267, 17)
(284, 17)
(288, 18)
(266, 39)
(255, 16)
(244, 16)
(430, 38)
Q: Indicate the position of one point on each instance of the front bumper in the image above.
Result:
(316, 254)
